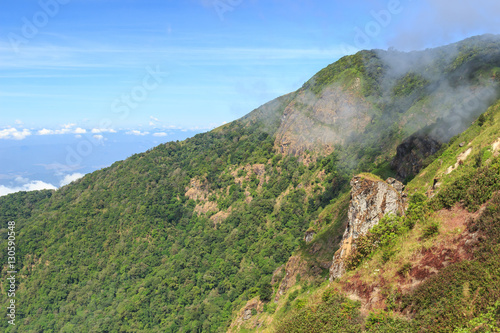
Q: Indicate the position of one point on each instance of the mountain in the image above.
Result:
(434, 268)
(209, 234)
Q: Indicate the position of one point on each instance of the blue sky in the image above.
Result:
(66, 61)
(145, 67)
(215, 68)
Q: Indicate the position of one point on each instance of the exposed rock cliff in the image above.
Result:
(313, 122)
(371, 199)
(412, 153)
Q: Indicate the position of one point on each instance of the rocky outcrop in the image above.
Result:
(295, 265)
(309, 236)
(247, 319)
(371, 199)
(411, 154)
(318, 122)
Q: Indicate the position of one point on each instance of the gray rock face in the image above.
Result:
(247, 314)
(412, 153)
(371, 199)
(309, 236)
(317, 123)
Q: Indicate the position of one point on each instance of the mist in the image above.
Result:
(441, 21)
(455, 97)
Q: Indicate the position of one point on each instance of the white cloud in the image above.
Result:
(32, 186)
(21, 180)
(160, 134)
(80, 131)
(98, 137)
(18, 122)
(153, 121)
(78, 136)
(45, 131)
(67, 129)
(71, 178)
(13, 133)
(136, 132)
(103, 130)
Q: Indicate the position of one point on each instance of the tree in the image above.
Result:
(265, 292)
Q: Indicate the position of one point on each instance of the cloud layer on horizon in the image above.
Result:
(34, 185)
(24, 184)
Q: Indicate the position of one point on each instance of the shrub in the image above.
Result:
(300, 303)
(405, 269)
(481, 120)
(430, 230)
(417, 210)
(486, 322)
(270, 307)
(383, 235)
(375, 318)
(383, 322)
(293, 295)
(335, 313)
(387, 255)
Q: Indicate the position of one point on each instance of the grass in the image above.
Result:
(370, 176)
(477, 137)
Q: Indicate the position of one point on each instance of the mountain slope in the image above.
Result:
(371, 95)
(179, 238)
(436, 269)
